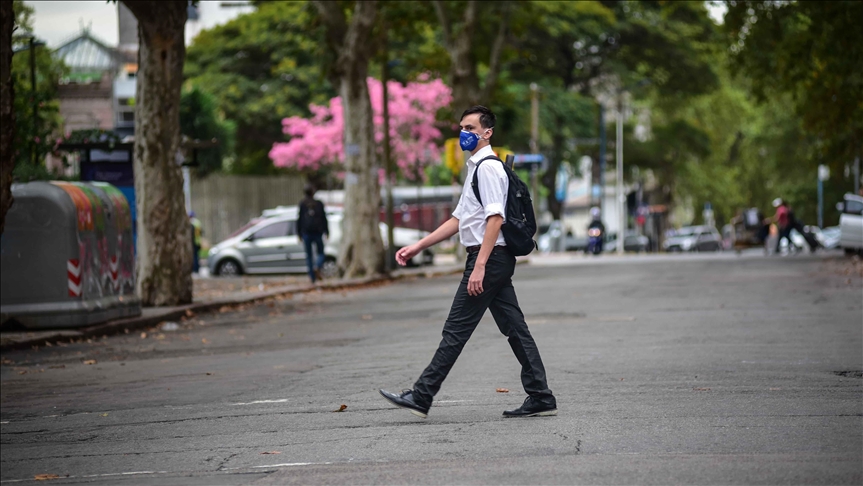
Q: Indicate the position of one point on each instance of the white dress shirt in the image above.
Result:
(493, 186)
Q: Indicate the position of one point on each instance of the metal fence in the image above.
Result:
(224, 203)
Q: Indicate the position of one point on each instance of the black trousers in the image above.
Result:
(499, 296)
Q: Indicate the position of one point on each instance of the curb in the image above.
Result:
(157, 315)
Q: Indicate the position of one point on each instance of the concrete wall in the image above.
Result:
(224, 203)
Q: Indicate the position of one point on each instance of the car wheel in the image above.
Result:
(229, 268)
(330, 269)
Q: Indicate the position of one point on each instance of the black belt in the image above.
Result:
(476, 248)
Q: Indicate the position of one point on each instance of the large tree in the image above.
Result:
(812, 52)
(593, 49)
(7, 115)
(361, 252)
(164, 235)
(262, 67)
(466, 39)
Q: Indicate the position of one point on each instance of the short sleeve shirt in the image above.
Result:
(493, 186)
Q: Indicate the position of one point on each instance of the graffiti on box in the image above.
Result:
(105, 263)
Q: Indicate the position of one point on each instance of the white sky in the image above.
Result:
(57, 22)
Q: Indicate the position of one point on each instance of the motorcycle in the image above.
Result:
(594, 241)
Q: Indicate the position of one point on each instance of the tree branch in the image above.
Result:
(497, 49)
(444, 23)
(334, 18)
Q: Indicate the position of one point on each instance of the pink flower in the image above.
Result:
(319, 141)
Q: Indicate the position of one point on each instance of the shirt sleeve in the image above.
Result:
(492, 190)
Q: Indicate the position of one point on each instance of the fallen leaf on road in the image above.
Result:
(189, 313)
(224, 309)
(89, 361)
(45, 477)
(367, 317)
(272, 452)
(342, 408)
(143, 335)
(502, 390)
(7, 361)
(775, 389)
(701, 389)
(204, 340)
(22, 372)
(104, 414)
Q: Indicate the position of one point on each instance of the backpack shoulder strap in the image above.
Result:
(475, 182)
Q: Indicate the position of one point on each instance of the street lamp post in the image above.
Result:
(621, 199)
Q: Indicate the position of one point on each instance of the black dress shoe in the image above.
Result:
(532, 408)
(406, 400)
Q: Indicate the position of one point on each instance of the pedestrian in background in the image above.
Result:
(486, 282)
(312, 225)
(197, 234)
(783, 221)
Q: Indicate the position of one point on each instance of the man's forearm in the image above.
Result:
(492, 230)
(444, 231)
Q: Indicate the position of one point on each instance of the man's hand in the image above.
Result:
(474, 283)
(404, 254)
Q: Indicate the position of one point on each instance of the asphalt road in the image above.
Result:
(686, 370)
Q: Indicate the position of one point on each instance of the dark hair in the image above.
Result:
(309, 190)
(486, 117)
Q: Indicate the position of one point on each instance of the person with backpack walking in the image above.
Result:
(494, 220)
(312, 226)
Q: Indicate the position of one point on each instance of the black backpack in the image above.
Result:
(313, 217)
(520, 225)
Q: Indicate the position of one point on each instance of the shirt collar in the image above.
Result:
(480, 154)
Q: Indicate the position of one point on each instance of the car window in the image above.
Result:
(852, 206)
(292, 228)
(272, 231)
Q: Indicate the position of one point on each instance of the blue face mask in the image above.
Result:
(468, 140)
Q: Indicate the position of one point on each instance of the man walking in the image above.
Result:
(312, 225)
(486, 283)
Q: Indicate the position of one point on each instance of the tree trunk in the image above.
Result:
(464, 80)
(7, 114)
(361, 252)
(164, 232)
(549, 177)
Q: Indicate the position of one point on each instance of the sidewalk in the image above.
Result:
(214, 294)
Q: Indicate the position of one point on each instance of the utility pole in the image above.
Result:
(621, 199)
(33, 99)
(602, 140)
(385, 75)
(534, 143)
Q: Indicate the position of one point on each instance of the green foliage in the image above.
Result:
(199, 120)
(35, 137)
(812, 52)
(261, 68)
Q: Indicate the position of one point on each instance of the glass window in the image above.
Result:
(292, 228)
(274, 230)
(852, 206)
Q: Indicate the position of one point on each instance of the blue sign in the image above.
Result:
(527, 159)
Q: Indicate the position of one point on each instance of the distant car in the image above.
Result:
(632, 242)
(851, 224)
(694, 238)
(555, 230)
(270, 244)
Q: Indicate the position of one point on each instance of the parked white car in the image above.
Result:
(851, 224)
(270, 244)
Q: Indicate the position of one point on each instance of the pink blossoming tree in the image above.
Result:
(318, 142)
